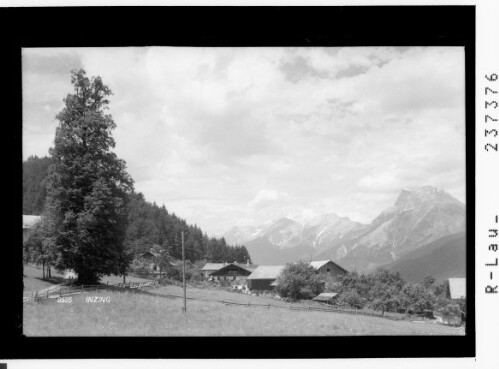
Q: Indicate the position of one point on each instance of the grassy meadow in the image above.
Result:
(130, 314)
(142, 314)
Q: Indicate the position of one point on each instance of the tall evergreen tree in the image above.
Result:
(87, 185)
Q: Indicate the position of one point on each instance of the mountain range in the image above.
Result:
(416, 219)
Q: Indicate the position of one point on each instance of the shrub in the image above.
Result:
(193, 271)
(352, 298)
(299, 281)
(415, 298)
(385, 290)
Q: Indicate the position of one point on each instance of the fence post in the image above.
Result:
(47, 293)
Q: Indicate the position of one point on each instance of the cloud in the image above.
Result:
(224, 136)
(265, 198)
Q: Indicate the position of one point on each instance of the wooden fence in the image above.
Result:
(290, 307)
(138, 286)
(66, 290)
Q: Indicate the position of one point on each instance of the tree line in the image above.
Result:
(93, 221)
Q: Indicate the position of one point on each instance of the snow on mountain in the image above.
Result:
(417, 218)
(285, 234)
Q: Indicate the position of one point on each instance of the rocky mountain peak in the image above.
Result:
(423, 196)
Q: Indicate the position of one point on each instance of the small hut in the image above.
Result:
(326, 297)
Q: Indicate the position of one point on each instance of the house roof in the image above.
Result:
(457, 288)
(319, 264)
(155, 254)
(244, 267)
(29, 221)
(250, 267)
(218, 266)
(326, 296)
(266, 272)
(213, 266)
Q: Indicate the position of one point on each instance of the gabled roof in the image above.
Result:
(250, 267)
(326, 296)
(29, 221)
(218, 266)
(266, 272)
(155, 254)
(243, 267)
(319, 264)
(213, 266)
(457, 288)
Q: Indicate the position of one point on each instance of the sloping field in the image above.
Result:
(127, 314)
(32, 278)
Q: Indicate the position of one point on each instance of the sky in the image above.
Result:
(229, 137)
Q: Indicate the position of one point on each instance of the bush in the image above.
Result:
(415, 298)
(299, 281)
(384, 294)
(352, 298)
(193, 271)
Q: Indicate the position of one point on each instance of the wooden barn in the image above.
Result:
(263, 277)
(456, 291)
(233, 272)
(456, 288)
(328, 269)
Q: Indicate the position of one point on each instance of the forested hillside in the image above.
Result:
(148, 224)
(34, 171)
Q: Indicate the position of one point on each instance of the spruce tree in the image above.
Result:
(87, 185)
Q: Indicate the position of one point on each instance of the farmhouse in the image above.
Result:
(148, 255)
(151, 256)
(456, 291)
(457, 288)
(263, 277)
(29, 222)
(328, 268)
(233, 271)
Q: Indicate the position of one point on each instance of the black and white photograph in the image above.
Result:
(276, 191)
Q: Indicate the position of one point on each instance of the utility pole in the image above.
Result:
(184, 309)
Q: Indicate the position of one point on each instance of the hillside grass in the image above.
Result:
(130, 314)
(33, 281)
(33, 278)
